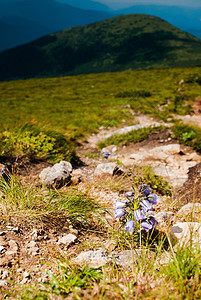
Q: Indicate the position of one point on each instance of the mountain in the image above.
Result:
(16, 30)
(183, 17)
(41, 17)
(121, 43)
(87, 4)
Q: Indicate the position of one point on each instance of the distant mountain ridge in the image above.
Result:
(184, 17)
(86, 4)
(41, 17)
(126, 42)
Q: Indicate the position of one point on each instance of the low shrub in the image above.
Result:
(36, 143)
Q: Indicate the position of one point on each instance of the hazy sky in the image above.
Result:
(125, 3)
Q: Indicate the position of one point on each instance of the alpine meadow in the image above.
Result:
(100, 163)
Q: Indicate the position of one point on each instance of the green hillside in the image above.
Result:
(121, 43)
(63, 111)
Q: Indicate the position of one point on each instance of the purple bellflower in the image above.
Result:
(119, 213)
(146, 226)
(138, 215)
(130, 226)
(153, 222)
(129, 194)
(145, 206)
(120, 204)
(152, 198)
(144, 189)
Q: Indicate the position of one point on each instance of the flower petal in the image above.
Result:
(120, 204)
(146, 226)
(119, 213)
(144, 189)
(145, 206)
(129, 194)
(130, 226)
(153, 222)
(152, 198)
(138, 215)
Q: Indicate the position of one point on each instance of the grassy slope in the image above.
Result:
(78, 105)
(121, 43)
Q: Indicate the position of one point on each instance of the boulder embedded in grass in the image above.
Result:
(58, 175)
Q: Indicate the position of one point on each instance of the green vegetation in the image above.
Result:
(129, 42)
(24, 203)
(65, 110)
(156, 182)
(133, 136)
(188, 135)
(183, 272)
(35, 143)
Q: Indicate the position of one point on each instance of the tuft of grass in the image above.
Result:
(183, 272)
(133, 136)
(23, 204)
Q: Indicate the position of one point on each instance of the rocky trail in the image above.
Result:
(27, 254)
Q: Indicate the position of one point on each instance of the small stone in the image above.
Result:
(13, 247)
(187, 232)
(67, 240)
(31, 244)
(5, 274)
(58, 175)
(26, 274)
(34, 234)
(3, 283)
(33, 250)
(2, 249)
(19, 270)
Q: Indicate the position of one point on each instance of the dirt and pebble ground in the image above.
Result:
(26, 253)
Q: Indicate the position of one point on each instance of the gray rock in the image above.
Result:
(129, 259)
(5, 274)
(67, 240)
(93, 259)
(166, 149)
(26, 274)
(58, 175)
(189, 208)
(126, 259)
(107, 168)
(164, 216)
(187, 233)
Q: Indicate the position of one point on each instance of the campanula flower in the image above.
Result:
(144, 189)
(106, 154)
(138, 215)
(152, 198)
(146, 226)
(145, 206)
(119, 213)
(120, 204)
(129, 194)
(130, 226)
(153, 222)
